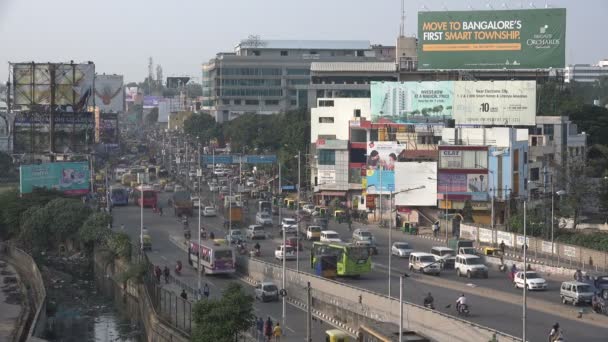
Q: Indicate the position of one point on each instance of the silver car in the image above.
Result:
(266, 291)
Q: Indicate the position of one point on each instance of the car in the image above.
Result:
(169, 187)
(363, 235)
(214, 188)
(330, 236)
(255, 231)
(293, 242)
(263, 218)
(308, 208)
(401, 249)
(600, 282)
(289, 225)
(576, 292)
(235, 236)
(209, 212)
(313, 233)
(533, 281)
(470, 265)
(219, 172)
(290, 253)
(445, 256)
(178, 188)
(424, 263)
(195, 201)
(192, 173)
(266, 291)
(250, 182)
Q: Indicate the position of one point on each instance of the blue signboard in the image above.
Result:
(288, 187)
(218, 159)
(262, 159)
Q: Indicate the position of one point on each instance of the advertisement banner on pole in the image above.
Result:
(151, 101)
(508, 39)
(495, 103)
(71, 178)
(412, 101)
(383, 154)
(109, 94)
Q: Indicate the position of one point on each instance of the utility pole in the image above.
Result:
(298, 217)
(308, 313)
(284, 315)
(199, 172)
(390, 242)
(524, 306)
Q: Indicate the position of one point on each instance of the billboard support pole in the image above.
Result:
(52, 111)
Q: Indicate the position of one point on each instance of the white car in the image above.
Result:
(263, 218)
(533, 281)
(309, 208)
(401, 249)
(470, 265)
(250, 182)
(224, 188)
(289, 225)
(266, 291)
(363, 235)
(196, 202)
(235, 236)
(209, 212)
(214, 187)
(192, 173)
(255, 231)
(330, 236)
(290, 253)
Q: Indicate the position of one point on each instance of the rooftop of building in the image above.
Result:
(304, 44)
(354, 66)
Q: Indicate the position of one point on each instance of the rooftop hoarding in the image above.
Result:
(109, 94)
(508, 39)
(415, 184)
(152, 101)
(71, 178)
(412, 101)
(381, 159)
(71, 84)
(509, 103)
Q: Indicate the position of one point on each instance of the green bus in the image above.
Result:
(346, 259)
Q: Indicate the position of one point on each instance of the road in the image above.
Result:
(166, 253)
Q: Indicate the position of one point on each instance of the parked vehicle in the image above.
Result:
(470, 265)
(533, 281)
(576, 292)
(401, 249)
(255, 231)
(266, 291)
(424, 263)
(445, 256)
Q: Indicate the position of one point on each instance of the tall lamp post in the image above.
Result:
(298, 217)
(524, 306)
(199, 173)
(401, 278)
(553, 193)
(284, 311)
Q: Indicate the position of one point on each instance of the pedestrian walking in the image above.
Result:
(184, 295)
(166, 273)
(206, 291)
(157, 273)
(435, 228)
(260, 328)
(556, 334)
(268, 329)
(277, 332)
(502, 247)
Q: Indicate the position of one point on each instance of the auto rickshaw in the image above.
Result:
(340, 216)
(320, 211)
(491, 251)
(147, 240)
(336, 335)
(291, 204)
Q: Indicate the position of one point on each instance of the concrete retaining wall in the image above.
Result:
(351, 305)
(35, 322)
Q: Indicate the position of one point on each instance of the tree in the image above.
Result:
(120, 245)
(573, 178)
(223, 319)
(35, 233)
(67, 216)
(12, 206)
(201, 125)
(95, 229)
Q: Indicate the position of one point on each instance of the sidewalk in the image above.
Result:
(11, 302)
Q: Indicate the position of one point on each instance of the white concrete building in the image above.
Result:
(330, 119)
(586, 72)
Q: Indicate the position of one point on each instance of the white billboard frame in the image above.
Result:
(109, 93)
(410, 175)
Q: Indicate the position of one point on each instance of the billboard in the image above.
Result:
(106, 128)
(412, 175)
(109, 94)
(71, 84)
(71, 178)
(130, 94)
(151, 101)
(509, 39)
(473, 186)
(495, 103)
(381, 159)
(412, 101)
(74, 132)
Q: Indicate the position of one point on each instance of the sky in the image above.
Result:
(120, 35)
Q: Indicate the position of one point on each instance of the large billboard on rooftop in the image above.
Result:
(509, 39)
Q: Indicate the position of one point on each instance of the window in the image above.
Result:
(326, 103)
(314, 52)
(327, 157)
(294, 102)
(534, 174)
(298, 71)
(256, 52)
(237, 102)
(252, 82)
(326, 119)
(525, 158)
(252, 102)
(226, 102)
(271, 102)
(357, 113)
(284, 53)
(252, 92)
(251, 71)
(360, 53)
(298, 81)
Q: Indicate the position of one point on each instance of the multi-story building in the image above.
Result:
(586, 72)
(271, 76)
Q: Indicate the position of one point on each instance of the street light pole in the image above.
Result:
(524, 308)
(298, 217)
(390, 243)
(552, 216)
(199, 172)
(284, 313)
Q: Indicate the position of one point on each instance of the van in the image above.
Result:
(470, 265)
(445, 256)
(575, 292)
(424, 263)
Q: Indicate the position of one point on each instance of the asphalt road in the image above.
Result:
(164, 252)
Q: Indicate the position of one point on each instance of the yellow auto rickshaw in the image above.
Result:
(147, 242)
(340, 215)
(291, 204)
(491, 251)
(320, 211)
(336, 335)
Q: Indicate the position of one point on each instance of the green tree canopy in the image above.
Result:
(95, 228)
(222, 319)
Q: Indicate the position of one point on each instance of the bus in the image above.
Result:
(350, 260)
(119, 195)
(215, 258)
(150, 198)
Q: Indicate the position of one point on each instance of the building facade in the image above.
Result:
(586, 72)
(271, 76)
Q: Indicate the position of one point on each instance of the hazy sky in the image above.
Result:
(120, 35)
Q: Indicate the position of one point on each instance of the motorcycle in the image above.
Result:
(255, 253)
(463, 309)
(429, 306)
(241, 248)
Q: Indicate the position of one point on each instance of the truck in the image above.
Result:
(181, 203)
(462, 246)
(234, 214)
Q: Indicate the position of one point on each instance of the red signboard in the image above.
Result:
(370, 201)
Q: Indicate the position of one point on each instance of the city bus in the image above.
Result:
(351, 260)
(150, 198)
(216, 258)
(119, 195)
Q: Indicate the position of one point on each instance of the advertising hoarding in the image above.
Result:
(109, 94)
(74, 132)
(71, 178)
(495, 103)
(509, 39)
(71, 84)
(411, 175)
(130, 94)
(152, 101)
(381, 159)
(106, 128)
(326, 177)
(468, 186)
(412, 101)
(380, 182)
(451, 182)
(477, 182)
(452, 158)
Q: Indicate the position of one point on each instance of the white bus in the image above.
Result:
(215, 258)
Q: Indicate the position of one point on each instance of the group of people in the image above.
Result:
(266, 330)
